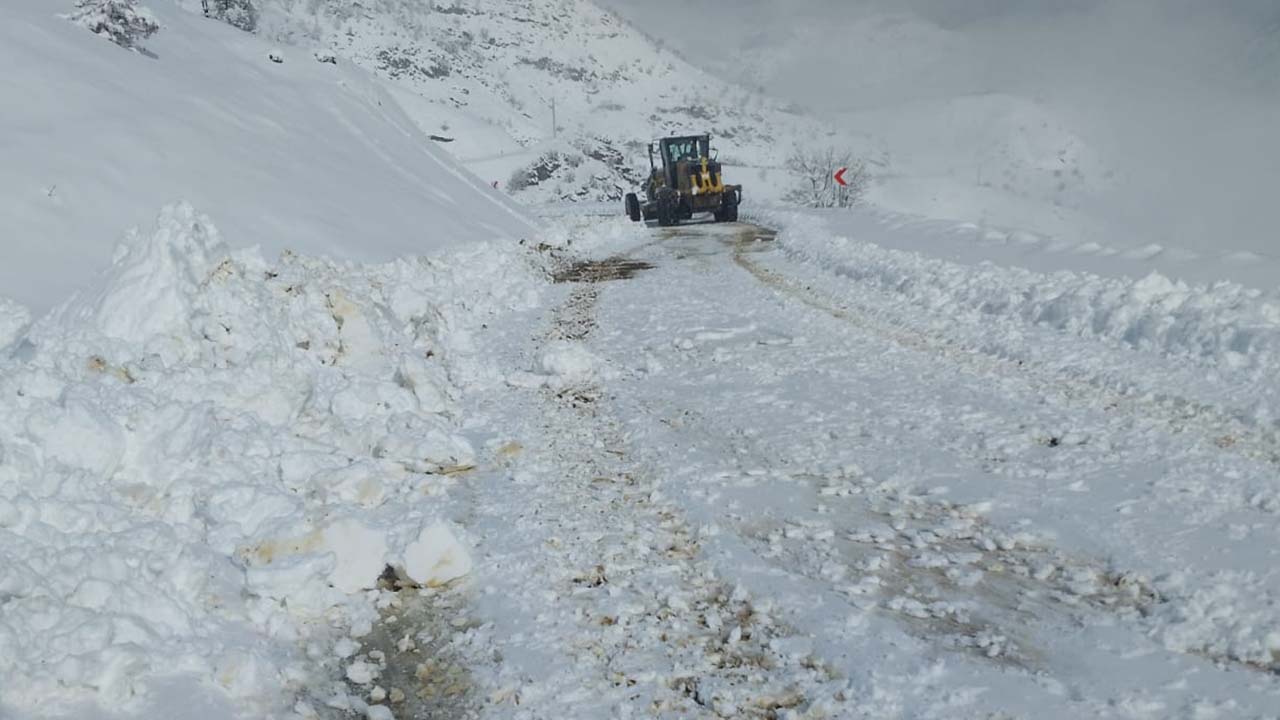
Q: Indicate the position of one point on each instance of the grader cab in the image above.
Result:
(684, 179)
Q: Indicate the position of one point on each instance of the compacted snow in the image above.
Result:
(717, 471)
(786, 489)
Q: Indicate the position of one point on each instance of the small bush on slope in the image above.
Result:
(816, 186)
(237, 13)
(120, 21)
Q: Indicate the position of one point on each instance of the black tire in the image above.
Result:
(633, 207)
(667, 209)
(727, 213)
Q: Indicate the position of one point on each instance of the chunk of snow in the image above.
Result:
(569, 363)
(360, 552)
(436, 557)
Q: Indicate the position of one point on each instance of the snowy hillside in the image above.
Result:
(1123, 124)
(484, 75)
(300, 155)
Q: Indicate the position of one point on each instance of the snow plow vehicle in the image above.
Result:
(684, 179)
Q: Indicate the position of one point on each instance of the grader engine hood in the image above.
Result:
(705, 177)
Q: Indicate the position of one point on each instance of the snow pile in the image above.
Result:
(1223, 618)
(563, 364)
(209, 451)
(1222, 324)
(568, 363)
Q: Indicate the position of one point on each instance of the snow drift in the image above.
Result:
(301, 155)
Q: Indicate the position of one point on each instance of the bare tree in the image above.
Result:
(816, 186)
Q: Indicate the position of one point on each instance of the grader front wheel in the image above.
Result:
(666, 209)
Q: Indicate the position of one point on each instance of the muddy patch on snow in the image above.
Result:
(575, 319)
(706, 241)
(944, 572)
(754, 238)
(410, 663)
(595, 271)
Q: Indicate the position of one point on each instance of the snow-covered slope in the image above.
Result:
(300, 155)
(1129, 124)
(484, 75)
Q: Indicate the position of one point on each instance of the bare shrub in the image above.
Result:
(815, 184)
(237, 13)
(122, 22)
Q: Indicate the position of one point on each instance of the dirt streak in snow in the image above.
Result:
(644, 621)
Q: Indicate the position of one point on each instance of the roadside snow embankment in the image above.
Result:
(1223, 325)
(209, 451)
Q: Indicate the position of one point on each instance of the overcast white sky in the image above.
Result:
(972, 45)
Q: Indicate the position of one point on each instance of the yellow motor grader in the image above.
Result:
(687, 181)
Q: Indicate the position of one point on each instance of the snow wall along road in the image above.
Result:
(209, 454)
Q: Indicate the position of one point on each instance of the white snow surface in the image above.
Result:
(303, 155)
(869, 466)
(815, 473)
(206, 457)
(1089, 292)
(833, 478)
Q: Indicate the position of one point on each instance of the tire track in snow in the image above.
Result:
(1216, 430)
(650, 626)
(1020, 574)
(1212, 426)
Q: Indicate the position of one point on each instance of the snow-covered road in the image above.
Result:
(717, 484)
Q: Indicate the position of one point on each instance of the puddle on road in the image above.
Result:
(754, 239)
(692, 241)
(594, 271)
(741, 238)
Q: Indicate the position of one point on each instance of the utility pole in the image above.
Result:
(553, 118)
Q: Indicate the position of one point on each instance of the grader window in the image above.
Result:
(683, 150)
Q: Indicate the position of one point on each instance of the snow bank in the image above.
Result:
(206, 453)
(1223, 324)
